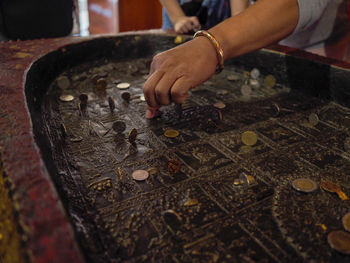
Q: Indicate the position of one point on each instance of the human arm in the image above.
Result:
(175, 71)
(238, 6)
(182, 23)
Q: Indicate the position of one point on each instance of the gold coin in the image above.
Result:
(304, 185)
(329, 186)
(123, 85)
(270, 81)
(171, 133)
(249, 138)
(313, 119)
(66, 98)
(346, 221)
(340, 241)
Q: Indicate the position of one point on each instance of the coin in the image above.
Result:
(170, 133)
(254, 83)
(123, 85)
(178, 40)
(101, 83)
(140, 175)
(346, 221)
(126, 96)
(191, 202)
(63, 82)
(222, 92)
(233, 77)
(255, 73)
(334, 188)
(220, 105)
(111, 104)
(66, 98)
(249, 138)
(119, 126)
(174, 166)
(313, 119)
(304, 185)
(246, 90)
(172, 219)
(340, 241)
(270, 81)
(76, 139)
(132, 135)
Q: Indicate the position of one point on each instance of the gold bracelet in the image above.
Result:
(217, 46)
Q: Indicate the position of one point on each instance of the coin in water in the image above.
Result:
(126, 96)
(220, 105)
(132, 135)
(313, 119)
(119, 126)
(170, 133)
(249, 138)
(346, 221)
(101, 83)
(63, 82)
(255, 73)
(66, 98)
(254, 83)
(123, 85)
(140, 175)
(340, 241)
(270, 81)
(83, 98)
(246, 90)
(233, 77)
(304, 185)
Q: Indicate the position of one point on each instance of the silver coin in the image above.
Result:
(304, 185)
(140, 175)
(255, 73)
(340, 241)
(246, 90)
(123, 85)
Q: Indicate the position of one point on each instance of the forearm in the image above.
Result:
(263, 23)
(173, 8)
(238, 6)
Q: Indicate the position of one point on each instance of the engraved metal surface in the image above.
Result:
(198, 214)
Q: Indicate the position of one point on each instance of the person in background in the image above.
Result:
(301, 23)
(186, 16)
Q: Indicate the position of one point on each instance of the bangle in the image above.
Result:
(217, 46)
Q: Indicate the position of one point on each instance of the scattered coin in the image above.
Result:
(245, 149)
(101, 83)
(111, 104)
(126, 96)
(123, 85)
(249, 138)
(83, 98)
(270, 81)
(233, 77)
(66, 98)
(119, 126)
(334, 188)
(304, 185)
(132, 135)
(178, 40)
(220, 105)
(172, 219)
(340, 241)
(170, 133)
(140, 175)
(255, 73)
(346, 221)
(347, 144)
(174, 166)
(254, 83)
(246, 90)
(236, 182)
(63, 82)
(313, 119)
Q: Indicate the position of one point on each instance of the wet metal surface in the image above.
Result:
(190, 208)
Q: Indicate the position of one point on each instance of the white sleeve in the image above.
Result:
(310, 11)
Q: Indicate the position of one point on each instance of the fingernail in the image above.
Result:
(149, 114)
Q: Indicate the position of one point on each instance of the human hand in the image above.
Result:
(186, 24)
(175, 71)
